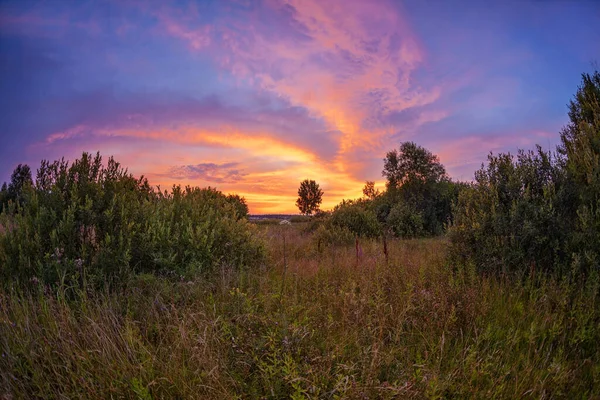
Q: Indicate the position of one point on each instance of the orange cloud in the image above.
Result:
(272, 169)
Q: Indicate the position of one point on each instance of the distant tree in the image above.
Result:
(3, 195)
(369, 190)
(310, 197)
(19, 180)
(410, 164)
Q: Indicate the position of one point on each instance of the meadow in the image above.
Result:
(310, 322)
(431, 288)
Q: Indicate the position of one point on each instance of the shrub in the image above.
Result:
(357, 219)
(405, 221)
(509, 219)
(89, 223)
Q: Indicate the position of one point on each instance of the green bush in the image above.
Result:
(357, 219)
(405, 221)
(509, 219)
(88, 223)
(538, 211)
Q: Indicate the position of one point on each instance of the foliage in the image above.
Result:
(310, 197)
(509, 219)
(332, 235)
(90, 223)
(416, 178)
(539, 211)
(411, 164)
(369, 190)
(239, 204)
(405, 221)
(580, 146)
(356, 219)
(20, 181)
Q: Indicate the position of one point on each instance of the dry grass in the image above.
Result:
(320, 325)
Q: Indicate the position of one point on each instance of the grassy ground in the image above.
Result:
(309, 325)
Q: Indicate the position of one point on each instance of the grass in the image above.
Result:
(309, 325)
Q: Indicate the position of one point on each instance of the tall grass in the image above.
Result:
(332, 326)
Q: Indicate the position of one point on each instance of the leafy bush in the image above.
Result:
(509, 219)
(89, 223)
(538, 211)
(357, 219)
(405, 221)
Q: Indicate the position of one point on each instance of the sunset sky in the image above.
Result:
(254, 96)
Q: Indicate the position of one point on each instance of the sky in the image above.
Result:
(252, 97)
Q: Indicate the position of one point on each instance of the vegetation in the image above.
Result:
(317, 325)
(540, 210)
(310, 197)
(418, 200)
(87, 223)
(111, 289)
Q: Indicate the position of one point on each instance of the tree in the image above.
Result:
(369, 190)
(415, 176)
(580, 148)
(412, 163)
(3, 195)
(19, 180)
(310, 197)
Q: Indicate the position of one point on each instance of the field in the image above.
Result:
(309, 324)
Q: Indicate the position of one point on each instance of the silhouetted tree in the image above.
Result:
(310, 197)
(3, 196)
(412, 164)
(416, 177)
(19, 181)
(369, 190)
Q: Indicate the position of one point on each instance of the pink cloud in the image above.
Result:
(347, 62)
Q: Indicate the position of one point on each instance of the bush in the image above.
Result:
(88, 223)
(405, 221)
(356, 219)
(509, 220)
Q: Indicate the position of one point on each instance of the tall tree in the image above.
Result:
(412, 163)
(416, 177)
(19, 180)
(580, 139)
(310, 197)
(580, 148)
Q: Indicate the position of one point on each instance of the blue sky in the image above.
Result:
(254, 96)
